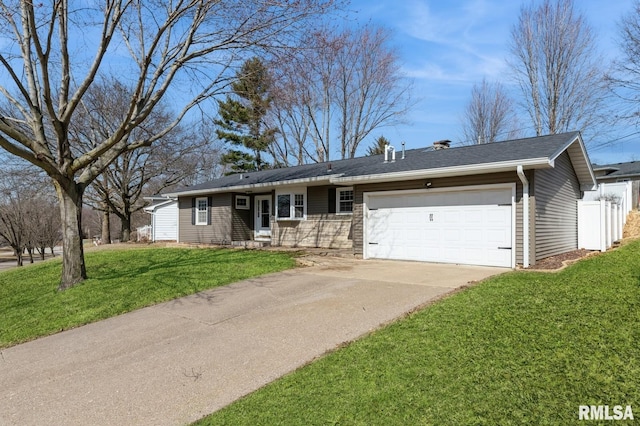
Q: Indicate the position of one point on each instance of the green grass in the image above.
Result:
(119, 281)
(522, 348)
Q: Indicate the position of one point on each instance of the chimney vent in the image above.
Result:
(443, 144)
(388, 148)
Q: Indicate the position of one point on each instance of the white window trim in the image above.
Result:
(241, 207)
(206, 201)
(292, 208)
(338, 191)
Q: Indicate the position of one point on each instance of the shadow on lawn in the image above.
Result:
(170, 275)
(144, 262)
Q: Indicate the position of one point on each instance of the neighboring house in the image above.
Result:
(620, 172)
(164, 218)
(498, 204)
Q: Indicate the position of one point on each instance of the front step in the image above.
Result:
(251, 244)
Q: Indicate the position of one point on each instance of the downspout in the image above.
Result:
(525, 216)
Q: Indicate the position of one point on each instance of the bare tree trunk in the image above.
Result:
(73, 266)
(125, 228)
(30, 253)
(106, 224)
(18, 257)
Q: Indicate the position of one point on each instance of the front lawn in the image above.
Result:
(522, 348)
(119, 281)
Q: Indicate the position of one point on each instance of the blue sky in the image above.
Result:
(448, 46)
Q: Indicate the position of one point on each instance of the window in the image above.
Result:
(298, 206)
(284, 206)
(291, 206)
(202, 210)
(344, 200)
(242, 202)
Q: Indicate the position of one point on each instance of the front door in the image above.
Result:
(263, 216)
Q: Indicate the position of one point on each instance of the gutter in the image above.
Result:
(340, 179)
(505, 166)
(252, 186)
(525, 216)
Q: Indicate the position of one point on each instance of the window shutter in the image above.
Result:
(209, 202)
(193, 211)
(332, 200)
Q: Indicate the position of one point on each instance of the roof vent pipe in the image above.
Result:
(403, 150)
(388, 148)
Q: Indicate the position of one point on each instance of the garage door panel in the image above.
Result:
(440, 227)
(442, 199)
(452, 235)
(474, 238)
(473, 214)
(450, 216)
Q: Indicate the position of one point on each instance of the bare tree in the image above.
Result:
(205, 159)
(57, 50)
(28, 213)
(303, 99)
(371, 92)
(489, 115)
(49, 227)
(555, 63)
(122, 185)
(342, 87)
(625, 76)
(13, 223)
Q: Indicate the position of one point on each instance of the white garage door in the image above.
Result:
(465, 226)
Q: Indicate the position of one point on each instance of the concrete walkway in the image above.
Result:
(173, 363)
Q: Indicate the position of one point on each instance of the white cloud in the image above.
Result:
(462, 42)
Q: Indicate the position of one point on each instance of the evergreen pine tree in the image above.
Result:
(378, 146)
(242, 118)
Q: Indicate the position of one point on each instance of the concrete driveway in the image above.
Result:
(173, 363)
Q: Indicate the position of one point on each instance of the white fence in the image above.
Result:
(600, 224)
(602, 215)
(622, 192)
(144, 233)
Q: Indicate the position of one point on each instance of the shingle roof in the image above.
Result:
(619, 170)
(544, 147)
(513, 150)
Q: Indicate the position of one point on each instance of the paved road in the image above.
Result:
(7, 261)
(174, 363)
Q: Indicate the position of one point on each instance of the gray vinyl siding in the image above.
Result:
(556, 193)
(484, 179)
(317, 200)
(242, 221)
(320, 229)
(218, 232)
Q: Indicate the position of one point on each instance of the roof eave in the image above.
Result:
(155, 206)
(626, 175)
(502, 166)
(253, 186)
(580, 160)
